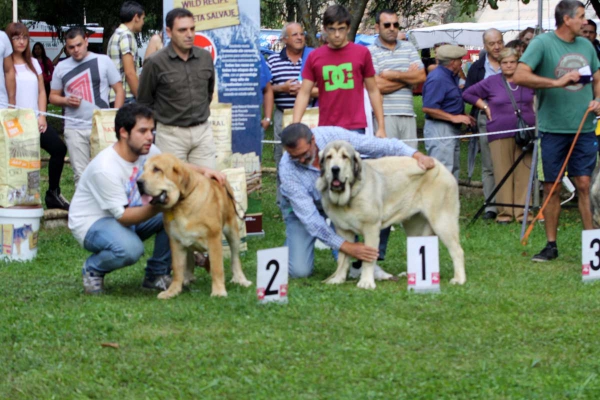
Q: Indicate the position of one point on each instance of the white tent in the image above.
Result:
(470, 33)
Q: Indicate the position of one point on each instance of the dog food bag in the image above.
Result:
(220, 121)
(237, 180)
(310, 117)
(19, 158)
(103, 131)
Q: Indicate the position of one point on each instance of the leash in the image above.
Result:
(557, 181)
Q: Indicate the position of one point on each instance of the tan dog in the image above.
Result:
(363, 197)
(196, 211)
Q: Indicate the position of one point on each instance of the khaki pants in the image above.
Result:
(194, 144)
(78, 144)
(401, 127)
(514, 191)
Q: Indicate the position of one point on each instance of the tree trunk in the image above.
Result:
(357, 10)
(290, 6)
(308, 20)
(596, 5)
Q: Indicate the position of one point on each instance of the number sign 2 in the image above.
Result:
(272, 275)
(423, 267)
(590, 255)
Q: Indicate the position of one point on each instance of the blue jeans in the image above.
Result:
(115, 246)
(301, 243)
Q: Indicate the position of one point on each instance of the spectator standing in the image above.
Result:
(178, 82)
(487, 65)
(123, 50)
(550, 64)
(444, 108)
(341, 70)
(286, 68)
(526, 35)
(8, 85)
(589, 31)
(492, 97)
(32, 94)
(398, 67)
(39, 53)
(154, 44)
(81, 84)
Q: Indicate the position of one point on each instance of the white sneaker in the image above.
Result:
(380, 274)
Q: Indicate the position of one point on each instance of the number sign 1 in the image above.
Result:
(423, 266)
(590, 255)
(272, 275)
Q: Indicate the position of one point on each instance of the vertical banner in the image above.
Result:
(229, 30)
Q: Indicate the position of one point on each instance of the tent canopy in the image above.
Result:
(469, 33)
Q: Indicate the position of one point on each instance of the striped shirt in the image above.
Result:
(283, 69)
(399, 102)
(298, 180)
(122, 42)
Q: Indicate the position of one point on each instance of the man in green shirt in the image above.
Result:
(551, 64)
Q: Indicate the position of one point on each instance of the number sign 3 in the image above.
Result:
(590, 255)
(423, 269)
(272, 275)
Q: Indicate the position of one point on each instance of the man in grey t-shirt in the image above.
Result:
(81, 84)
(8, 85)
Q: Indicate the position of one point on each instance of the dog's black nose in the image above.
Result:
(140, 184)
(335, 170)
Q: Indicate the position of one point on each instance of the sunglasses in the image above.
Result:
(387, 25)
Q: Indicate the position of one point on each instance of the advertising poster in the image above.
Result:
(229, 30)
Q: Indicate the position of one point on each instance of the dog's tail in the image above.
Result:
(235, 203)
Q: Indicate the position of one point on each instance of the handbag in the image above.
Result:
(523, 138)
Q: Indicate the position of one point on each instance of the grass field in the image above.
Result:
(515, 330)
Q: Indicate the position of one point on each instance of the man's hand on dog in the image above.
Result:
(216, 175)
(360, 251)
(424, 162)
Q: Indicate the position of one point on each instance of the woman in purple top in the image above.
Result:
(491, 95)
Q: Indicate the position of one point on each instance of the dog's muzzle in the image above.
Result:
(336, 185)
(160, 199)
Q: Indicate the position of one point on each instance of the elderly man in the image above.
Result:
(301, 202)
(398, 67)
(550, 65)
(286, 67)
(487, 65)
(589, 31)
(444, 108)
(178, 82)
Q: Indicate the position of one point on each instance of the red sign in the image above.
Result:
(585, 269)
(204, 42)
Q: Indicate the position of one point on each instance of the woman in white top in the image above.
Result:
(32, 94)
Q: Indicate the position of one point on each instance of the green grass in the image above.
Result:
(515, 330)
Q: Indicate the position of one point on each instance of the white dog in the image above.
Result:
(363, 197)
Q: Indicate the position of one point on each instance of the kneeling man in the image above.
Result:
(107, 216)
(301, 203)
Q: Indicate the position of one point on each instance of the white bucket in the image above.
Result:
(19, 229)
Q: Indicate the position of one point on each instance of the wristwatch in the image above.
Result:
(268, 120)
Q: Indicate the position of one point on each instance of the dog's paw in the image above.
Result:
(335, 280)
(218, 293)
(241, 281)
(456, 281)
(167, 294)
(366, 284)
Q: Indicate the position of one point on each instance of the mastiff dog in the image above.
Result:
(363, 197)
(196, 211)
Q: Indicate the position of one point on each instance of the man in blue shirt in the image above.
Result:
(444, 108)
(301, 201)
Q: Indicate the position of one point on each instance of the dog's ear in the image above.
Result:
(183, 175)
(322, 161)
(357, 166)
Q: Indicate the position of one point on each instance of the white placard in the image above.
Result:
(272, 275)
(423, 264)
(590, 255)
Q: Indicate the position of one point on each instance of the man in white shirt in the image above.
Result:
(8, 85)
(85, 78)
(108, 216)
